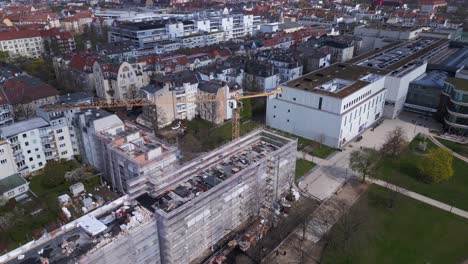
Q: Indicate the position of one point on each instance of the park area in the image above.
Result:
(403, 171)
(459, 148)
(310, 147)
(407, 232)
(22, 221)
(302, 167)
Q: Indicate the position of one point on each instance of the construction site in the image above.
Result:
(228, 196)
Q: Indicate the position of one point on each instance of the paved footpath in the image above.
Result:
(420, 197)
(435, 141)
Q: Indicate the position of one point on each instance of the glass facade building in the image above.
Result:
(455, 104)
(424, 93)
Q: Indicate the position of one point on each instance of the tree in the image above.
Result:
(395, 142)
(55, 172)
(4, 56)
(190, 143)
(437, 165)
(364, 161)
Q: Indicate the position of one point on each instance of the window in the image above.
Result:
(287, 120)
(294, 99)
(24, 135)
(26, 143)
(59, 131)
(64, 152)
(61, 138)
(36, 149)
(62, 145)
(2, 150)
(274, 116)
(289, 110)
(320, 103)
(40, 164)
(22, 189)
(274, 106)
(29, 151)
(3, 161)
(11, 193)
(31, 159)
(38, 156)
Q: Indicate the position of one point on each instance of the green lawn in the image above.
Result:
(461, 149)
(310, 146)
(403, 172)
(409, 232)
(211, 136)
(302, 167)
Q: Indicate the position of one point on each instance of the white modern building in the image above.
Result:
(35, 141)
(332, 105)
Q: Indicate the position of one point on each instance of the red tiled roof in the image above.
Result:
(18, 34)
(80, 62)
(25, 89)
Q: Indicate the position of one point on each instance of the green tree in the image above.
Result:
(364, 161)
(437, 165)
(246, 111)
(4, 56)
(55, 172)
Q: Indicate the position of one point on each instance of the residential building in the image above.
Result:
(175, 97)
(75, 72)
(119, 80)
(35, 141)
(23, 94)
(430, 6)
(28, 43)
(180, 215)
(287, 65)
(260, 76)
(123, 153)
(220, 110)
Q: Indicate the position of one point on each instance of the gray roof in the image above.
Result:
(23, 126)
(11, 182)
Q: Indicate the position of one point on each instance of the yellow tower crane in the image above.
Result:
(235, 102)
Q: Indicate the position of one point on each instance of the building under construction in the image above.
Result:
(181, 215)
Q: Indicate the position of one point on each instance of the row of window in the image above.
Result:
(357, 100)
(362, 109)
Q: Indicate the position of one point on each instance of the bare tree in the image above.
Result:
(395, 142)
(364, 162)
(342, 237)
(23, 111)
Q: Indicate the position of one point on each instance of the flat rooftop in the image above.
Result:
(353, 75)
(391, 27)
(209, 177)
(397, 56)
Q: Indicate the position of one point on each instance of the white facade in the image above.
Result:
(35, 141)
(7, 163)
(334, 121)
(119, 81)
(28, 46)
(397, 85)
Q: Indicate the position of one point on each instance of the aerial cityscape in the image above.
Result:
(236, 132)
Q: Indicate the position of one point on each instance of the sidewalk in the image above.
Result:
(435, 141)
(420, 197)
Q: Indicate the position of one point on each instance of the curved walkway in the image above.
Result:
(435, 141)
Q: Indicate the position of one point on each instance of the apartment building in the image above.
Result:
(123, 153)
(260, 76)
(174, 96)
(287, 65)
(35, 141)
(114, 80)
(214, 26)
(26, 43)
(220, 110)
(178, 216)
